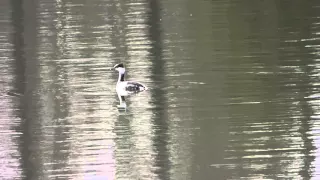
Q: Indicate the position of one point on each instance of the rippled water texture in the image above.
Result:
(233, 89)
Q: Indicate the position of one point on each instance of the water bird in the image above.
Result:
(125, 88)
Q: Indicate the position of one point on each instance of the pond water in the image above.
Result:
(233, 89)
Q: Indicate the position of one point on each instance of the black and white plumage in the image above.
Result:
(125, 88)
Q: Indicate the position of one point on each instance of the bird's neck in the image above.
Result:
(121, 77)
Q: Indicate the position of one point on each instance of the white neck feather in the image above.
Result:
(121, 74)
(121, 70)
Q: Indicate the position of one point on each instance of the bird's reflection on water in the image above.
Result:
(122, 102)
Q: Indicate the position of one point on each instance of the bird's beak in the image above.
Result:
(110, 69)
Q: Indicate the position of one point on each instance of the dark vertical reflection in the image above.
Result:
(31, 130)
(209, 35)
(18, 43)
(19, 84)
(23, 20)
(158, 94)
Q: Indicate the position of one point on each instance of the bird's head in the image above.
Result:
(119, 67)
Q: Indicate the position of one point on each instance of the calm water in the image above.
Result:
(234, 89)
